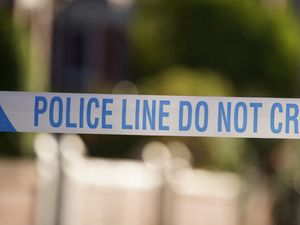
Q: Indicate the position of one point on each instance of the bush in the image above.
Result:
(10, 76)
(255, 47)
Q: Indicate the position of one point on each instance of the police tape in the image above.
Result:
(149, 115)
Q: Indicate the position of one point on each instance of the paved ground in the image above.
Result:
(17, 192)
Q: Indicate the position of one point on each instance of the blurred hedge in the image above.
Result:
(255, 46)
(10, 64)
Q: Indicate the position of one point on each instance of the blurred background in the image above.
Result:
(174, 47)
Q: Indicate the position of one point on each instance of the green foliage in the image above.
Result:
(255, 47)
(183, 81)
(227, 153)
(10, 65)
(9, 55)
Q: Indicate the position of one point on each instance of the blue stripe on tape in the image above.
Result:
(5, 124)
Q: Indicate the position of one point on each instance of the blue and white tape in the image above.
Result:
(149, 115)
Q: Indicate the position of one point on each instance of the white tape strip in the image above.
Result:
(149, 115)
